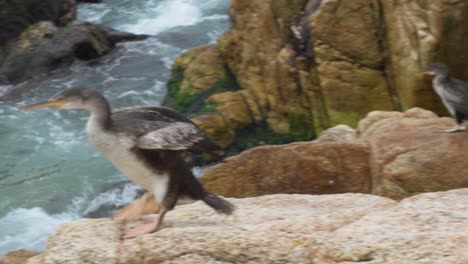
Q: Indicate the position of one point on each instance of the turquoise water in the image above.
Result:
(48, 172)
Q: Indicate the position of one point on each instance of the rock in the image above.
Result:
(196, 74)
(392, 154)
(303, 66)
(421, 229)
(349, 59)
(215, 126)
(233, 107)
(375, 116)
(90, 1)
(305, 167)
(202, 84)
(342, 228)
(338, 133)
(18, 257)
(411, 154)
(204, 70)
(43, 47)
(34, 35)
(258, 53)
(17, 15)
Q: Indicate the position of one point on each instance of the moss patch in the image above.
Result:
(301, 123)
(346, 118)
(260, 134)
(193, 104)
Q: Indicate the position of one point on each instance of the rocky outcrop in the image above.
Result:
(303, 66)
(43, 47)
(342, 228)
(17, 15)
(197, 75)
(392, 154)
(305, 167)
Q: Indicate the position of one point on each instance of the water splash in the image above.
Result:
(167, 14)
(29, 228)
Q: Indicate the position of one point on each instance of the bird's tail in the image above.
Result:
(219, 204)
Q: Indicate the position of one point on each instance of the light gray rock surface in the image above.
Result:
(282, 228)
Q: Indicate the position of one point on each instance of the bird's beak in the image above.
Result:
(426, 72)
(52, 104)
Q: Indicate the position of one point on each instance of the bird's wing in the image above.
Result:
(163, 128)
(150, 113)
(456, 93)
(174, 136)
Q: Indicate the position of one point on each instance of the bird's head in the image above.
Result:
(71, 98)
(436, 69)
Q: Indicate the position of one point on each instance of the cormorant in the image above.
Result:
(147, 144)
(452, 92)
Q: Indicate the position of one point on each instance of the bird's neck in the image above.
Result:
(441, 77)
(100, 113)
(439, 81)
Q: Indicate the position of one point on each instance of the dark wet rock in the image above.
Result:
(90, 1)
(17, 15)
(43, 47)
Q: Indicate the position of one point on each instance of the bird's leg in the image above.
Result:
(147, 228)
(458, 127)
(144, 205)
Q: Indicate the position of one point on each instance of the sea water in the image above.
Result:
(49, 174)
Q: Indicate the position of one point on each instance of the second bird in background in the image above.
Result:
(452, 92)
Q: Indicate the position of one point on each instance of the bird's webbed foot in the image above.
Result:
(146, 228)
(456, 128)
(132, 232)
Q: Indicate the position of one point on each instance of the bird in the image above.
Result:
(453, 93)
(147, 144)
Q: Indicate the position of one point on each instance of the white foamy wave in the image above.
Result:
(114, 197)
(5, 89)
(215, 17)
(92, 12)
(29, 228)
(199, 171)
(167, 15)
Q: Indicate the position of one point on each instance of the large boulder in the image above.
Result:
(342, 228)
(411, 153)
(43, 47)
(305, 167)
